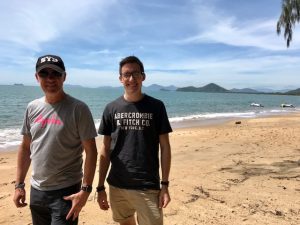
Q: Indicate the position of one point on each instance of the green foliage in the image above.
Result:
(290, 14)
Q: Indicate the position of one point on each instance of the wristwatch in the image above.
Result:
(165, 183)
(20, 185)
(100, 188)
(87, 188)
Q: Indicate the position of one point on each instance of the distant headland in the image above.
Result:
(214, 88)
(209, 88)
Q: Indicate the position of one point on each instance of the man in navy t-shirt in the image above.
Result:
(135, 126)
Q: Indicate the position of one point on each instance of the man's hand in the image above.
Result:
(164, 197)
(20, 197)
(102, 200)
(78, 202)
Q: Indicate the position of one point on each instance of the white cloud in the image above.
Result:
(202, 40)
(216, 27)
(92, 78)
(270, 71)
(33, 23)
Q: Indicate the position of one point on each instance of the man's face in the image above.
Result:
(50, 80)
(132, 78)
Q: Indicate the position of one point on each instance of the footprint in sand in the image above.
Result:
(2, 160)
(4, 196)
(3, 184)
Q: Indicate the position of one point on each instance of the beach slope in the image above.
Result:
(247, 173)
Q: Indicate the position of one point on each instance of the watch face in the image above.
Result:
(87, 188)
(21, 185)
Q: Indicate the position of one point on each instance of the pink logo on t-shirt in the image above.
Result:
(54, 119)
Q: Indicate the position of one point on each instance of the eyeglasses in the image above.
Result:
(53, 73)
(134, 75)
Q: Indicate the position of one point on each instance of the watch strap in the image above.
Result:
(87, 188)
(20, 185)
(100, 188)
(165, 183)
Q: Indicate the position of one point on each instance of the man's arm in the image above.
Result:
(90, 161)
(165, 148)
(79, 199)
(104, 162)
(23, 163)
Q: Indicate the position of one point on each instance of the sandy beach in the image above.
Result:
(231, 174)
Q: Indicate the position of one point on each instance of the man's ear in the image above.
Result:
(37, 77)
(120, 78)
(144, 76)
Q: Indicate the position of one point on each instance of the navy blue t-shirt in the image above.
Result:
(134, 128)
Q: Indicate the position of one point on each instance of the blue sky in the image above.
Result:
(182, 42)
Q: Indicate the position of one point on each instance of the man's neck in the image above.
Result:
(134, 97)
(54, 98)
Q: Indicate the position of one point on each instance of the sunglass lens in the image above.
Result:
(45, 74)
(56, 74)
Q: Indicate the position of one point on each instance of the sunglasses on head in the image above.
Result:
(54, 73)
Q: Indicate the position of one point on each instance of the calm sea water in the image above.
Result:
(182, 107)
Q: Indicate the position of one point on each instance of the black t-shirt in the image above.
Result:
(134, 128)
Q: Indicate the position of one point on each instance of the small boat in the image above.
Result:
(287, 106)
(256, 105)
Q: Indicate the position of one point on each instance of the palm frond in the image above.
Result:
(290, 15)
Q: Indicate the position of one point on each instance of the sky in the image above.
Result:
(232, 43)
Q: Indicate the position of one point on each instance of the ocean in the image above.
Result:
(183, 108)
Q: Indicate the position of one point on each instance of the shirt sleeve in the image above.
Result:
(86, 124)
(25, 130)
(105, 127)
(164, 124)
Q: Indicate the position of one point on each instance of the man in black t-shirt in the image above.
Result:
(135, 126)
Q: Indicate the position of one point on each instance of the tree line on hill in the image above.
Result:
(214, 88)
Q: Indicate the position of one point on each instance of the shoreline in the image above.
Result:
(223, 174)
(195, 122)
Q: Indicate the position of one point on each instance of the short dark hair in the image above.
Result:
(131, 59)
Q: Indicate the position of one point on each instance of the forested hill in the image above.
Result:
(214, 88)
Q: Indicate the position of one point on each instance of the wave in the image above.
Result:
(251, 114)
(212, 116)
(11, 137)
